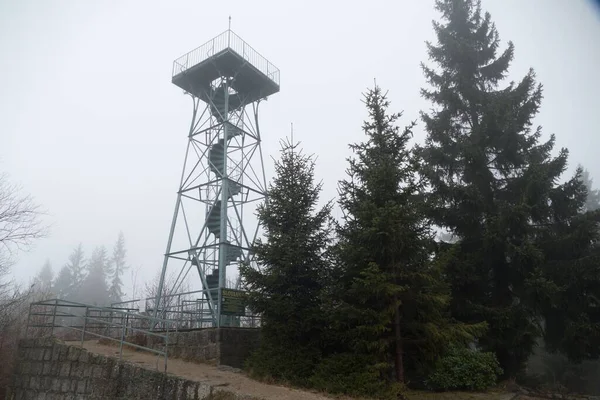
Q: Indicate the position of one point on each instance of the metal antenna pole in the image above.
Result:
(229, 33)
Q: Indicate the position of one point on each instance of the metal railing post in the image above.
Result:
(53, 317)
(166, 348)
(126, 323)
(28, 320)
(85, 318)
(122, 340)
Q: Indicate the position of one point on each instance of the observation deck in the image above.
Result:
(227, 55)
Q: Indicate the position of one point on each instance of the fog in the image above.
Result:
(92, 127)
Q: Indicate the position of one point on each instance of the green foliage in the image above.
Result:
(465, 369)
(555, 373)
(393, 301)
(280, 363)
(287, 288)
(353, 375)
(522, 260)
(571, 244)
(493, 184)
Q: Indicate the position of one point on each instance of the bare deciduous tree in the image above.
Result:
(20, 222)
(20, 225)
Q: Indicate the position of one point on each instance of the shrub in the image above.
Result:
(353, 375)
(292, 365)
(464, 369)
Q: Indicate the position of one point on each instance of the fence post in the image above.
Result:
(84, 325)
(53, 317)
(166, 348)
(28, 320)
(122, 340)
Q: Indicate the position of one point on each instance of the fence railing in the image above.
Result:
(227, 39)
(187, 310)
(73, 321)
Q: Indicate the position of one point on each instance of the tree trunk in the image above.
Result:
(399, 359)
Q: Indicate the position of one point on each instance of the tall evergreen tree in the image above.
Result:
(287, 288)
(63, 283)
(117, 266)
(570, 241)
(43, 280)
(76, 266)
(394, 301)
(94, 289)
(491, 179)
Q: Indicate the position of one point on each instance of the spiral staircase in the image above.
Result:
(216, 158)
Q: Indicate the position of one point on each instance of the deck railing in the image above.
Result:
(227, 39)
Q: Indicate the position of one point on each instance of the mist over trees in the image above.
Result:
(459, 262)
(96, 280)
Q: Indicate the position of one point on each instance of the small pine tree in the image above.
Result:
(286, 289)
(117, 266)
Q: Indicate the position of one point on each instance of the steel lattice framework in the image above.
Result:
(223, 174)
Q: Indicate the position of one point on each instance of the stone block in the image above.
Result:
(37, 354)
(24, 367)
(98, 372)
(56, 385)
(73, 353)
(26, 343)
(36, 368)
(84, 357)
(46, 383)
(203, 391)
(65, 385)
(34, 382)
(45, 342)
(81, 386)
(65, 369)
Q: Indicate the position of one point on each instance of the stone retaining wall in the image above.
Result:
(51, 370)
(217, 346)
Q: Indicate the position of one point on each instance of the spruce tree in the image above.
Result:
(117, 266)
(43, 280)
(76, 267)
(394, 300)
(287, 288)
(63, 283)
(570, 241)
(94, 289)
(491, 179)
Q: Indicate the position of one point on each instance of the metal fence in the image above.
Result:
(187, 310)
(73, 321)
(225, 40)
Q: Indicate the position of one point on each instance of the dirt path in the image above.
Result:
(235, 381)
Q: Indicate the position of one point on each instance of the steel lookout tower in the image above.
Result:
(213, 224)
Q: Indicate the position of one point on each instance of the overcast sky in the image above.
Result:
(92, 127)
